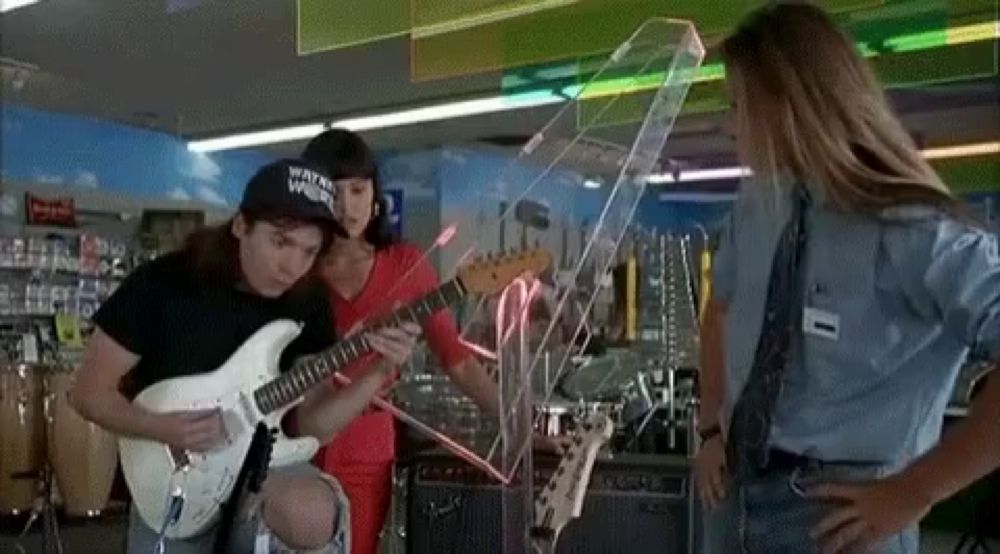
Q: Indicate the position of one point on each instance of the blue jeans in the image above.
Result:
(767, 514)
(250, 536)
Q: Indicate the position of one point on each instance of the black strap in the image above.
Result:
(249, 481)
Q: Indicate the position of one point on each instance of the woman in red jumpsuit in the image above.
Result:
(366, 274)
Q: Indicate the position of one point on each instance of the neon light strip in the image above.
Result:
(721, 173)
(714, 72)
(10, 5)
(962, 151)
(944, 37)
(425, 114)
(989, 30)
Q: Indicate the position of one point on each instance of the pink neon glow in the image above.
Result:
(441, 438)
(478, 349)
(506, 329)
(525, 297)
(523, 294)
(531, 294)
(446, 235)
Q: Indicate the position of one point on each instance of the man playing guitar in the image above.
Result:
(185, 313)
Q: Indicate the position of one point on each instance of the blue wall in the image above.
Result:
(72, 151)
(671, 213)
(470, 183)
(56, 149)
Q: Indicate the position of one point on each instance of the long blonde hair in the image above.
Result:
(807, 105)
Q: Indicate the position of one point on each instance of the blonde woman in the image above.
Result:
(848, 291)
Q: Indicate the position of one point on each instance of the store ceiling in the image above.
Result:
(215, 67)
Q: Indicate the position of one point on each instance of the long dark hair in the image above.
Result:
(345, 155)
(213, 253)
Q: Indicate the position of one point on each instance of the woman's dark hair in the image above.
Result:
(213, 253)
(344, 155)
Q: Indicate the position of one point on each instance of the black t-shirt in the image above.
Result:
(182, 325)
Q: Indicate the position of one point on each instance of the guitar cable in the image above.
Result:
(175, 504)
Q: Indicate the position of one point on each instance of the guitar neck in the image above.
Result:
(292, 384)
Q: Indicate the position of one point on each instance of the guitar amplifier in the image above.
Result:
(634, 504)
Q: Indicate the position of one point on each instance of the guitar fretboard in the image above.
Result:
(291, 385)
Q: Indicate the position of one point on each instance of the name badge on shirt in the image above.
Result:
(821, 323)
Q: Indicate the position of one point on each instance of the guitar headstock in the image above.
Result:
(562, 498)
(492, 273)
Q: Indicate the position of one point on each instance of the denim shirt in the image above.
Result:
(892, 305)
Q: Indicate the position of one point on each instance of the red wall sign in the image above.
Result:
(54, 211)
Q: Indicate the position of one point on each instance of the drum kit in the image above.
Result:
(51, 457)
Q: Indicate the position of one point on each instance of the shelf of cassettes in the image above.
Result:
(41, 272)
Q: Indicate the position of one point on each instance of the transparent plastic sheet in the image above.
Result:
(516, 463)
(432, 17)
(323, 25)
(570, 191)
(666, 46)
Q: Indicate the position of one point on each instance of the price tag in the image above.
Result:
(68, 329)
(29, 348)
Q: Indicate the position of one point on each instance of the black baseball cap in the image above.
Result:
(295, 189)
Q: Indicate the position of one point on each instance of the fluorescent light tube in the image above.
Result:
(412, 116)
(946, 152)
(962, 151)
(688, 176)
(244, 140)
(450, 110)
(8, 5)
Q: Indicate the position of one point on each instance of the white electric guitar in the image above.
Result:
(180, 493)
(562, 498)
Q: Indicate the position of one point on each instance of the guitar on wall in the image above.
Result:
(561, 500)
(180, 492)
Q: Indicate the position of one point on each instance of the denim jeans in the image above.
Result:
(768, 514)
(248, 537)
